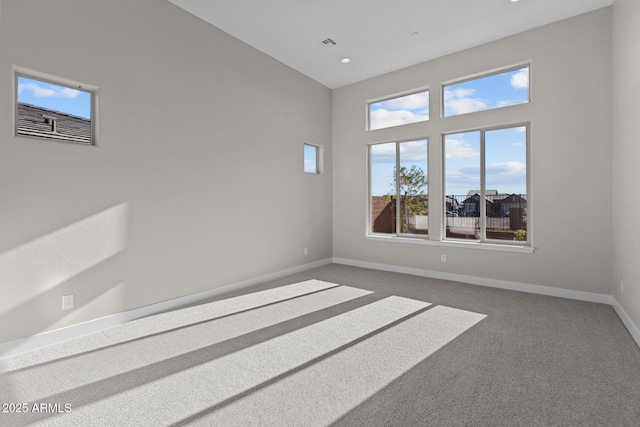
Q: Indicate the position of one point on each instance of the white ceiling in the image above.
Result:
(378, 35)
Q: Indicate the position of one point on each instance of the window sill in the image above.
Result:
(452, 243)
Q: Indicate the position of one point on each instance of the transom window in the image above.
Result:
(398, 111)
(486, 93)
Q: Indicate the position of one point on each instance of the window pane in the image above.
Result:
(399, 111)
(310, 158)
(382, 182)
(487, 93)
(506, 183)
(462, 185)
(413, 187)
(53, 111)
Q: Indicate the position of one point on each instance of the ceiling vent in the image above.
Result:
(328, 43)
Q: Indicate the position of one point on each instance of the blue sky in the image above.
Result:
(505, 148)
(495, 91)
(505, 161)
(310, 158)
(54, 97)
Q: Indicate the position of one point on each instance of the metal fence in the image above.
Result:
(506, 216)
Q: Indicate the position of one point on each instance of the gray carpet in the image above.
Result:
(354, 347)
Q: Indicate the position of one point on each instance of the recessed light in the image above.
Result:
(345, 60)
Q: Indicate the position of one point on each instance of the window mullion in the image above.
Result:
(483, 192)
(397, 177)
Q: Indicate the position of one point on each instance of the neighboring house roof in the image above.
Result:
(494, 196)
(486, 193)
(42, 122)
(515, 198)
(475, 198)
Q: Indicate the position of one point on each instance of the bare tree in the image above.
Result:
(411, 185)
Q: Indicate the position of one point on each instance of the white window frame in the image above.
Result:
(59, 81)
(437, 127)
(398, 208)
(479, 76)
(391, 98)
(319, 158)
(483, 240)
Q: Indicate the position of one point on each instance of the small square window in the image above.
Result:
(54, 110)
(312, 159)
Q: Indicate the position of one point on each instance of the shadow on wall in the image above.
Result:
(36, 274)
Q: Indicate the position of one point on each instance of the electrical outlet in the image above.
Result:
(443, 258)
(67, 302)
(306, 251)
(621, 286)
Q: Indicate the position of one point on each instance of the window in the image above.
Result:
(54, 110)
(483, 173)
(486, 93)
(399, 111)
(398, 191)
(486, 184)
(312, 158)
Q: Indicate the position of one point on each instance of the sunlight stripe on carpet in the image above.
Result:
(189, 392)
(34, 383)
(325, 391)
(162, 322)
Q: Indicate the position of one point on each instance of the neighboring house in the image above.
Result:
(44, 123)
(452, 204)
(511, 202)
(471, 205)
(496, 204)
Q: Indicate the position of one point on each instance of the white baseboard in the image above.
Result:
(626, 320)
(11, 348)
(493, 283)
(503, 284)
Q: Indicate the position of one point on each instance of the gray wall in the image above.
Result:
(626, 152)
(197, 181)
(570, 200)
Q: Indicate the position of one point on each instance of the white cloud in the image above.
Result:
(511, 169)
(417, 101)
(510, 177)
(505, 103)
(383, 153)
(458, 183)
(400, 111)
(383, 118)
(520, 80)
(460, 101)
(459, 92)
(309, 165)
(456, 149)
(69, 93)
(413, 151)
(50, 91)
